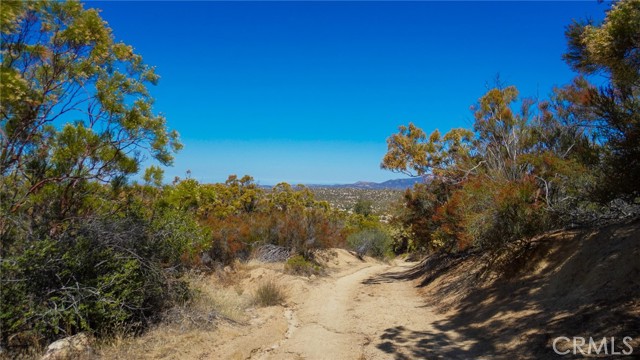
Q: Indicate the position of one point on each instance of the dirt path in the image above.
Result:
(367, 310)
(361, 313)
(360, 310)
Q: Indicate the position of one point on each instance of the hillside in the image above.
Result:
(345, 198)
(395, 184)
(577, 283)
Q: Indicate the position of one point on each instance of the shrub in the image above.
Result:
(300, 266)
(363, 207)
(516, 214)
(416, 212)
(104, 275)
(286, 217)
(372, 242)
(269, 294)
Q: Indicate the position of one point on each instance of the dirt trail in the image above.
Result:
(573, 283)
(358, 310)
(359, 313)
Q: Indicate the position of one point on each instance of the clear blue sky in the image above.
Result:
(308, 92)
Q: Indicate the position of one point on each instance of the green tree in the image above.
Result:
(246, 194)
(284, 197)
(612, 48)
(410, 152)
(153, 176)
(75, 105)
(503, 135)
(513, 175)
(81, 250)
(363, 207)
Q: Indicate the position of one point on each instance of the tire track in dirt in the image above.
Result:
(353, 315)
(319, 319)
(359, 310)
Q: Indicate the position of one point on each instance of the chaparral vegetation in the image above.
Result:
(91, 242)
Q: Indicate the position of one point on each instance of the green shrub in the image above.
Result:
(363, 207)
(300, 266)
(372, 242)
(269, 294)
(103, 275)
(516, 214)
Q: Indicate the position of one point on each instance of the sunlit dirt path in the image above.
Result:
(365, 312)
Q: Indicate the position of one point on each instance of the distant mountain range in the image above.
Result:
(396, 184)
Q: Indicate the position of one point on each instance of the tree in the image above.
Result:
(363, 207)
(611, 47)
(513, 175)
(75, 105)
(503, 135)
(613, 50)
(284, 197)
(80, 250)
(411, 153)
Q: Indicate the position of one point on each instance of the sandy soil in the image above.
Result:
(354, 314)
(356, 311)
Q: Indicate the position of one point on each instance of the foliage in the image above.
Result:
(415, 215)
(100, 275)
(240, 217)
(81, 249)
(269, 293)
(528, 164)
(611, 48)
(412, 153)
(75, 105)
(372, 242)
(513, 176)
(363, 207)
(298, 265)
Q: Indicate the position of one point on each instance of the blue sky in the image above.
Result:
(308, 92)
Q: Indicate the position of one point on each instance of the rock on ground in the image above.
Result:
(72, 347)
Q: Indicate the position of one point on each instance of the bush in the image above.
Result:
(104, 275)
(239, 219)
(363, 207)
(300, 266)
(269, 294)
(372, 242)
(516, 214)
(415, 216)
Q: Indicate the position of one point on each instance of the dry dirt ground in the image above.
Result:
(568, 283)
(352, 312)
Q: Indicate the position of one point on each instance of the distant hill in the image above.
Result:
(396, 184)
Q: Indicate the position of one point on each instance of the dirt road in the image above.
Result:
(362, 312)
(368, 310)
(358, 310)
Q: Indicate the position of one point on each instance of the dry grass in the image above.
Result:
(216, 298)
(269, 293)
(228, 300)
(209, 304)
